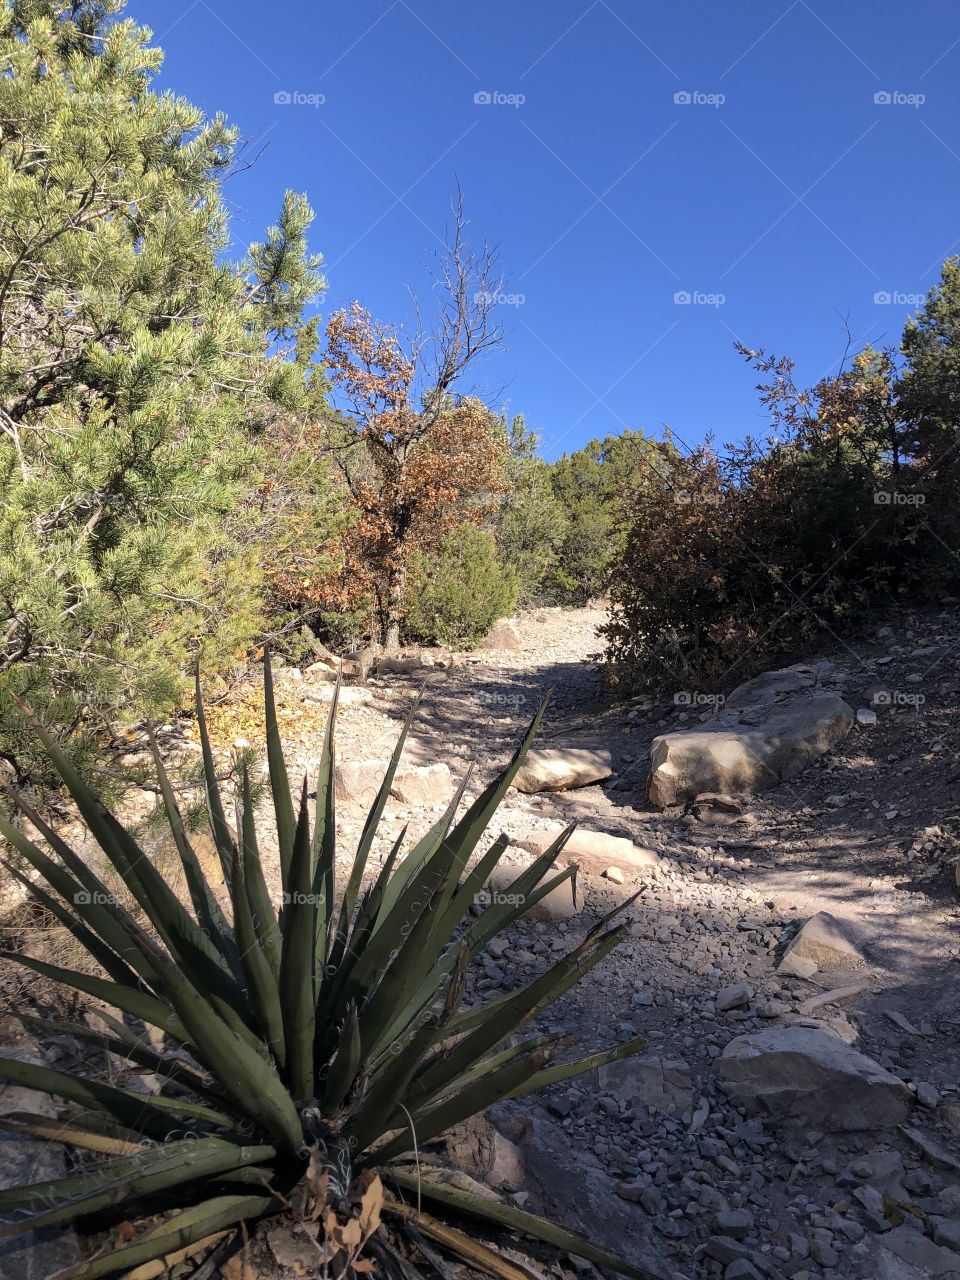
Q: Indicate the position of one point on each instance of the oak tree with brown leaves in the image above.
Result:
(418, 456)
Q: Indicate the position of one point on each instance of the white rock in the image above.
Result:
(429, 785)
(562, 768)
(594, 850)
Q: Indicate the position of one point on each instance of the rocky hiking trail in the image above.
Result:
(792, 960)
(658, 1156)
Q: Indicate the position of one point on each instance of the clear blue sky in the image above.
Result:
(784, 187)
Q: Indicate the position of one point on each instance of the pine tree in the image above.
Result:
(137, 368)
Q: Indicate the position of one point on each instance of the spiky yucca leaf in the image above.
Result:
(328, 1035)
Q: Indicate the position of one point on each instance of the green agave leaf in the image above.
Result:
(277, 768)
(325, 840)
(423, 850)
(187, 943)
(492, 921)
(205, 904)
(382, 1098)
(343, 1070)
(87, 894)
(430, 1121)
(506, 1215)
(136, 1003)
(108, 960)
(137, 1111)
(187, 1228)
(367, 837)
(297, 961)
(222, 837)
(579, 1066)
(124, 1044)
(486, 1065)
(422, 953)
(159, 1169)
(515, 1012)
(262, 986)
(264, 917)
(245, 1073)
(466, 835)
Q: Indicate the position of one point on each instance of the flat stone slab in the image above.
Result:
(596, 851)
(810, 1075)
(563, 768)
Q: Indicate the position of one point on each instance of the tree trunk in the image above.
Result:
(396, 587)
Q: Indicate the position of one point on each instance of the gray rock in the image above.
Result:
(810, 1075)
(663, 1084)
(733, 997)
(824, 941)
(915, 1249)
(358, 781)
(746, 751)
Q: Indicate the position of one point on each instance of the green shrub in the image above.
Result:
(455, 597)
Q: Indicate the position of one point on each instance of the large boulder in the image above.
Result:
(596, 851)
(769, 730)
(563, 768)
(503, 635)
(358, 781)
(809, 1075)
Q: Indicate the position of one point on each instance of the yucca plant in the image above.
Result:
(306, 1050)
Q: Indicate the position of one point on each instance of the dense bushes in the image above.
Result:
(734, 561)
